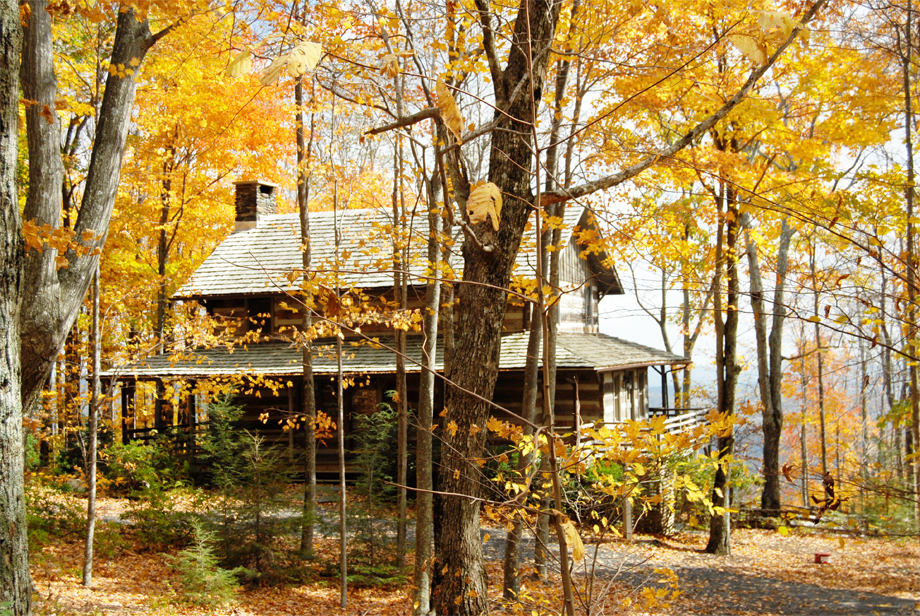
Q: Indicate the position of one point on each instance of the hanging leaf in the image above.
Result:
(753, 49)
(271, 74)
(389, 65)
(573, 539)
(485, 201)
(304, 58)
(240, 65)
(768, 20)
(450, 113)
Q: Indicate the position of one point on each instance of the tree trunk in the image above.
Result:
(424, 528)
(822, 415)
(512, 562)
(769, 364)
(402, 403)
(511, 570)
(304, 154)
(56, 294)
(15, 581)
(906, 61)
(460, 580)
(340, 419)
(93, 439)
(719, 528)
(803, 434)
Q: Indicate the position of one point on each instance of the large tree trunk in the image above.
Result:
(769, 363)
(460, 581)
(15, 582)
(56, 294)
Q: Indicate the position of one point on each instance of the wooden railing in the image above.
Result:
(686, 419)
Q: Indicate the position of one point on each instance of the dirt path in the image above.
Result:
(768, 573)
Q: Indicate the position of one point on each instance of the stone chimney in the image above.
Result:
(254, 199)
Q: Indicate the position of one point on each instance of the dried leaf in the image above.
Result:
(389, 65)
(271, 74)
(450, 113)
(304, 58)
(485, 200)
(240, 65)
(787, 472)
(573, 539)
(753, 50)
(47, 114)
(776, 19)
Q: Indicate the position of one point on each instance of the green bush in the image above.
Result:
(52, 513)
(252, 482)
(201, 580)
(137, 467)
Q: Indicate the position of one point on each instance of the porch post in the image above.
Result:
(128, 404)
(290, 426)
(159, 418)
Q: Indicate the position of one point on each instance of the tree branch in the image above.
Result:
(633, 170)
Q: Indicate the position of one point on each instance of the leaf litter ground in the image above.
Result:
(766, 574)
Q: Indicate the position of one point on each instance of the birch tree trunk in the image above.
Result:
(424, 527)
(93, 440)
(15, 581)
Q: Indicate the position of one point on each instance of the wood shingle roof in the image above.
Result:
(598, 352)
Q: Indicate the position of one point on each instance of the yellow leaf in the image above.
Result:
(450, 113)
(573, 539)
(271, 74)
(783, 530)
(389, 65)
(776, 19)
(304, 58)
(485, 538)
(485, 200)
(452, 427)
(240, 65)
(841, 542)
(753, 50)
(814, 318)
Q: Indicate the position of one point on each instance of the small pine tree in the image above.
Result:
(201, 580)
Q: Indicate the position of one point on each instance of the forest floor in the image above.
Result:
(767, 574)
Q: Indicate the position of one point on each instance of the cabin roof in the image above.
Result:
(259, 261)
(597, 352)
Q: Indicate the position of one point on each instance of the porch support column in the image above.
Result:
(128, 404)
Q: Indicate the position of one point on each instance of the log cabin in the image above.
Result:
(251, 284)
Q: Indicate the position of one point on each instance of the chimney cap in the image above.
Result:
(260, 182)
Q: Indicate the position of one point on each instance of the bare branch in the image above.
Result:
(427, 113)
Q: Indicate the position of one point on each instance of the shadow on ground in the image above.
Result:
(716, 591)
